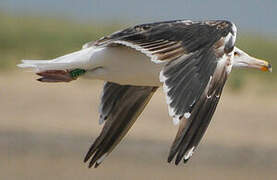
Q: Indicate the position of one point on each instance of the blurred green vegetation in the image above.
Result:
(26, 37)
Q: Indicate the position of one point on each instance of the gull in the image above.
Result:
(190, 60)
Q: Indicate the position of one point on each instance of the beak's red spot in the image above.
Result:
(264, 68)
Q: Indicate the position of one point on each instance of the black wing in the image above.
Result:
(119, 109)
(200, 112)
(163, 41)
(193, 84)
(198, 61)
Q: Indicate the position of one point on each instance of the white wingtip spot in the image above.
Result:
(187, 115)
(176, 120)
(101, 159)
(189, 153)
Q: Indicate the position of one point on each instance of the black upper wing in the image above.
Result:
(169, 40)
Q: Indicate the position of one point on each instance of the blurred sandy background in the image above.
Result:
(46, 129)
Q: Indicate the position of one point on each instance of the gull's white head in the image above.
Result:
(243, 60)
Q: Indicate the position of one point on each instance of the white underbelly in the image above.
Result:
(126, 66)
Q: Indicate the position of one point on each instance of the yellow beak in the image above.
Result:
(260, 64)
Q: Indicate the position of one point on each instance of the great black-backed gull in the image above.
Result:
(190, 59)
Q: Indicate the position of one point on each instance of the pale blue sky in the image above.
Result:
(252, 15)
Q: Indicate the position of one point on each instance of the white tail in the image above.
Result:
(79, 59)
(32, 63)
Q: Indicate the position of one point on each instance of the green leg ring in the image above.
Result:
(76, 73)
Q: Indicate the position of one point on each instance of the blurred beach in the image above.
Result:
(46, 129)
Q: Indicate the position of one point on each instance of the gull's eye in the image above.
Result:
(236, 53)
